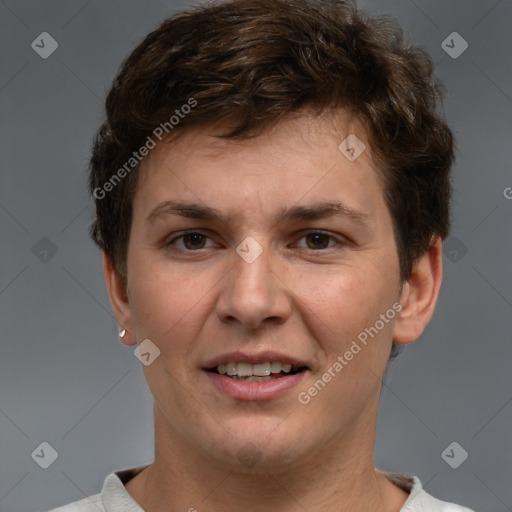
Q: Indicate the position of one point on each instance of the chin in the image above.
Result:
(258, 446)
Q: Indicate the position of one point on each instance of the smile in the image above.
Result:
(255, 382)
(259, 372)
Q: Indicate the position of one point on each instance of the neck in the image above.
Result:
(340, 477)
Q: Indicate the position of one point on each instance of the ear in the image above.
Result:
(419, 295)
(119, 300)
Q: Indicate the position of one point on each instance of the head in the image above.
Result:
(243, 107)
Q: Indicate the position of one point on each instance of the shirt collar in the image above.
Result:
(117, 499)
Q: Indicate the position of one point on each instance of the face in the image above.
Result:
(282, 251)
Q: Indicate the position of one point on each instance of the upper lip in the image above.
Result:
(253, 358)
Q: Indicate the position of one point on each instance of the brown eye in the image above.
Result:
(194, 240)
(318, 240)
(189, 241)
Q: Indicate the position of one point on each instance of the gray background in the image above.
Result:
(64, 376)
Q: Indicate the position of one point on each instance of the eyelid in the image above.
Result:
(180, 234)
(339, 239)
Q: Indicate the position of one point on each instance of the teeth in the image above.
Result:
(275, 367)
(244, 370)
(252, 379)
(231, 369)
(248, 370)
(262, 369)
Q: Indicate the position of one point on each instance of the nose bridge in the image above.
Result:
(252, 292)
(252, 265)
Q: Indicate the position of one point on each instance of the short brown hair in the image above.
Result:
(252, 62)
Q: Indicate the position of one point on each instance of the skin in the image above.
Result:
(306, 297)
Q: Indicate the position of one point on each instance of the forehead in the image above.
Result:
(299, 158)
(293, 132)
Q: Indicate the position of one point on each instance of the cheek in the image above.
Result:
(343, 301)
(170, 302)
(344, 318)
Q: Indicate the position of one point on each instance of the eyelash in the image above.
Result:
(311, 232)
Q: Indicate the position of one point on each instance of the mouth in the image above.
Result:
(257, 372)
(264, 376)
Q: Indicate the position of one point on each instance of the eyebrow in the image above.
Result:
(315, 211)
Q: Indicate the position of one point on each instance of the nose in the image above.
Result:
(255, 294)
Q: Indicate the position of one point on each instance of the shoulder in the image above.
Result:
(90, 504)
(423, 501)
(113, 495)
(419, 500)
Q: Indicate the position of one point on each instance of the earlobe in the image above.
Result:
(118, 300)
(419, 295)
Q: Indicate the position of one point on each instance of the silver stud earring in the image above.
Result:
(122, 333)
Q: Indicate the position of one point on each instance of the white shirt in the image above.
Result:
(115, 498)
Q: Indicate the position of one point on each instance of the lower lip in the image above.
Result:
(255, 391)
